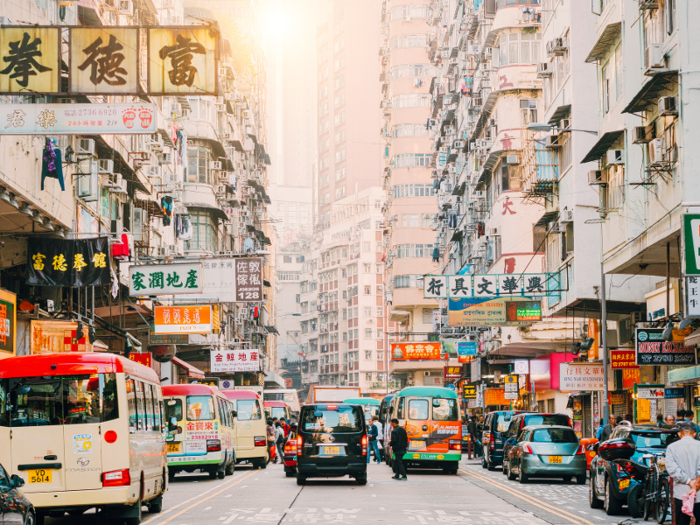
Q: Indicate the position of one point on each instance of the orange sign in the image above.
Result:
(193, 319)
(417, 351)
(593, 332)
(495, 396)
(630, 376)
(144, 359)
(623, 359)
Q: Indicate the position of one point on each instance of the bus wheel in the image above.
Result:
(212, 474)
(221, 474)
(230, 468)
(155, 505)
(135, 519)
(171, 475)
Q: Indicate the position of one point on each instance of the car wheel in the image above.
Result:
(301, 479)
(484, 463)
(289, 473)
(490, 466)
(612, 506)
(29, 519)
(635, 501)
(581, 480)
(362, 480)
(593, 500)
(522, 477)
(511, 476)
(505, 467)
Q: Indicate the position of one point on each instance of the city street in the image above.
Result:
(476, 496)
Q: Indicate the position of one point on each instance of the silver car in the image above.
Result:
(549, 452)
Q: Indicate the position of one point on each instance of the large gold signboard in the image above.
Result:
(104, 60)
(182, 60)
(29, 60)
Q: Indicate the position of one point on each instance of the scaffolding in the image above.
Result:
(541, 167)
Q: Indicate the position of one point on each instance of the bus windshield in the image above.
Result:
(248, 409)
(278, 412)
(200, 408)
(53, 400)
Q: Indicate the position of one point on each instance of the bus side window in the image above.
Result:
(157, 407)
(140, 405)
(150, 408)
(400, 414)
(131, 402)
(222, 412)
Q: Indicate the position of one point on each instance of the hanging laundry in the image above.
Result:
(51, 165)
(436, 183)
(166, 204)
(122, 249)
(436, 255)
(480, 229)
(186, 233)
(248, 245)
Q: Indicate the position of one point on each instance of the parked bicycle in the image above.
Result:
(653, 498)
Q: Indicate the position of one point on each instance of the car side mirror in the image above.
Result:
(234, 413)
(16, 481)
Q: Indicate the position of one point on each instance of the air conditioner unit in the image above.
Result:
(654, 59)
(106, 166)
(552, 142)
(85, 147)
(492, 123)
(512, 159)
(215, 165)
(87, 184)
(458, 144)
(176, 109)
(493, 232)
(668, 106)
(431, 122)
(479, 195)
(449, 130)
(444, 149)
(545, 69)
(615, 156)
(656, 150)
(642, 135)
(558, 46)
(597, 177)
(566, 215)
(125, 7)
(565, 123)
(165, 158)
(157, 143)
(116, 226)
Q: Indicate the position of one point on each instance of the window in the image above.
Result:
(341, 419)
(405, 12)
(615, 190)
(367, 268)
(528, 112)
(412, 160)
(618, 72)
(410, 130)
(511, 176)
(200, 408)
(368, 311)
(340, 192)
(368, 333)
(368, 354)
(418, 409)
(366, 246)
(380, 311)
(402, 41)
(150, 410)
(131, 402)
(408, 281)
(287, 258)
(445, 410)
(413, 100)
(368, 290)
(197, 165)
(413, 250)
(204, 233)
(565, 154)
(519, 48)
(427, 316)
(605, 87)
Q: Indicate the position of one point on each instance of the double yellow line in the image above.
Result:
(577, 520)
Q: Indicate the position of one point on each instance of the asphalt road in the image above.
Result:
(475, 497)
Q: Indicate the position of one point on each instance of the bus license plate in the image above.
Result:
(555, 459)
(414, 445)
(40, 476)
(173, 447)
(331, 451)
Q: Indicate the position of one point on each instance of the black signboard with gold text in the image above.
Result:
(58, 262)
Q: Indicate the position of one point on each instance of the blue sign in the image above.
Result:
(674, 393)
(451, 387)
(226, 384)
(467, 348)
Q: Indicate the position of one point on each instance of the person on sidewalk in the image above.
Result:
(689, 418)
(398, 444)
(279, 440)
(373, 434)
(683, 466)
(608, 429)
(271, 440)
(380, 436)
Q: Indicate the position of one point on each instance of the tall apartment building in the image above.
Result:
(349, 156)
(409, 169)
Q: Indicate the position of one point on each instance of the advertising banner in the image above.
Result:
(165, 279)
(452, 372)
(58, 336)
(30, 60)
(8, 324)
(230, 280)
(418, 351)
(620, 359)
(486, 312)
(235, 361)
(583, 376)
(60, 262)
(145, 359)
(495, 396)
(650, 392)
(523, 311)
(193, 319)
(651, 349)
(104, 60)
(630, 376)
(78, 119)
(488, 286)
(466, 351)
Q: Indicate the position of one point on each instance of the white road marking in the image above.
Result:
(208, 508)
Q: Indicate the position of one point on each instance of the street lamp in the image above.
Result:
(538, 127)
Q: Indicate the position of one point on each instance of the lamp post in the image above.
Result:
(536, 127)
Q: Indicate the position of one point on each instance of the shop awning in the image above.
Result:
(606, 40)
(559, 113)
(217, 212)
(192, 371)
(651, 91)
(272, 330)
(603, 145)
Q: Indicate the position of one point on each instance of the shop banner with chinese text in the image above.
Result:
(620, 359)
(61, 262)
(235, 360)
(193, 319)
(417, 351)
(165, 279)
(577, 377)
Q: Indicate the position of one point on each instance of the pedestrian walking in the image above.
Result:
(670, 420)
(373, 434)
(599, 432)
(285, 426)
(271, 440)
(380, 436)
(398, 444)
(683, 466)
(279, 440)
(607, 429)
(474, 436)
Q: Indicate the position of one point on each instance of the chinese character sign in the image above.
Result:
(651, 349)
(29, 59)
(182, 60)
(620, 359)
(165, 279)
(8, 324)
(235, 360)
(78, 119)
(693, 296)
(249, 280)
(57, 262)
(415, 351)
(194, 319)
(145, 358)
(435, 286)
(580, 377)
(230, 280)
(104, 60)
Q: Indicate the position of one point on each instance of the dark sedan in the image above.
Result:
(15, 509)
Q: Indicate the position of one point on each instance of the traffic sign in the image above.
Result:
(510, 379)
(510, 395)
(512, 387)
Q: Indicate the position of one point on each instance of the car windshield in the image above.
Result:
(342, 419)
(173, 409)
(502, 422)
(554, 435)
(653, 439)
(248, 409)
(547, 419)
(52, 400)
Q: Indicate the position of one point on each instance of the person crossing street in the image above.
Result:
(398, 444)
(373, 434)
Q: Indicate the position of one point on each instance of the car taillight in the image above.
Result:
(492, 442)
(259, 441)
(571, 425)
(364, 445)
(527, 449)
(455, 444)
(213, 445)
(581, 450)
(290, 447)
(116, 478)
